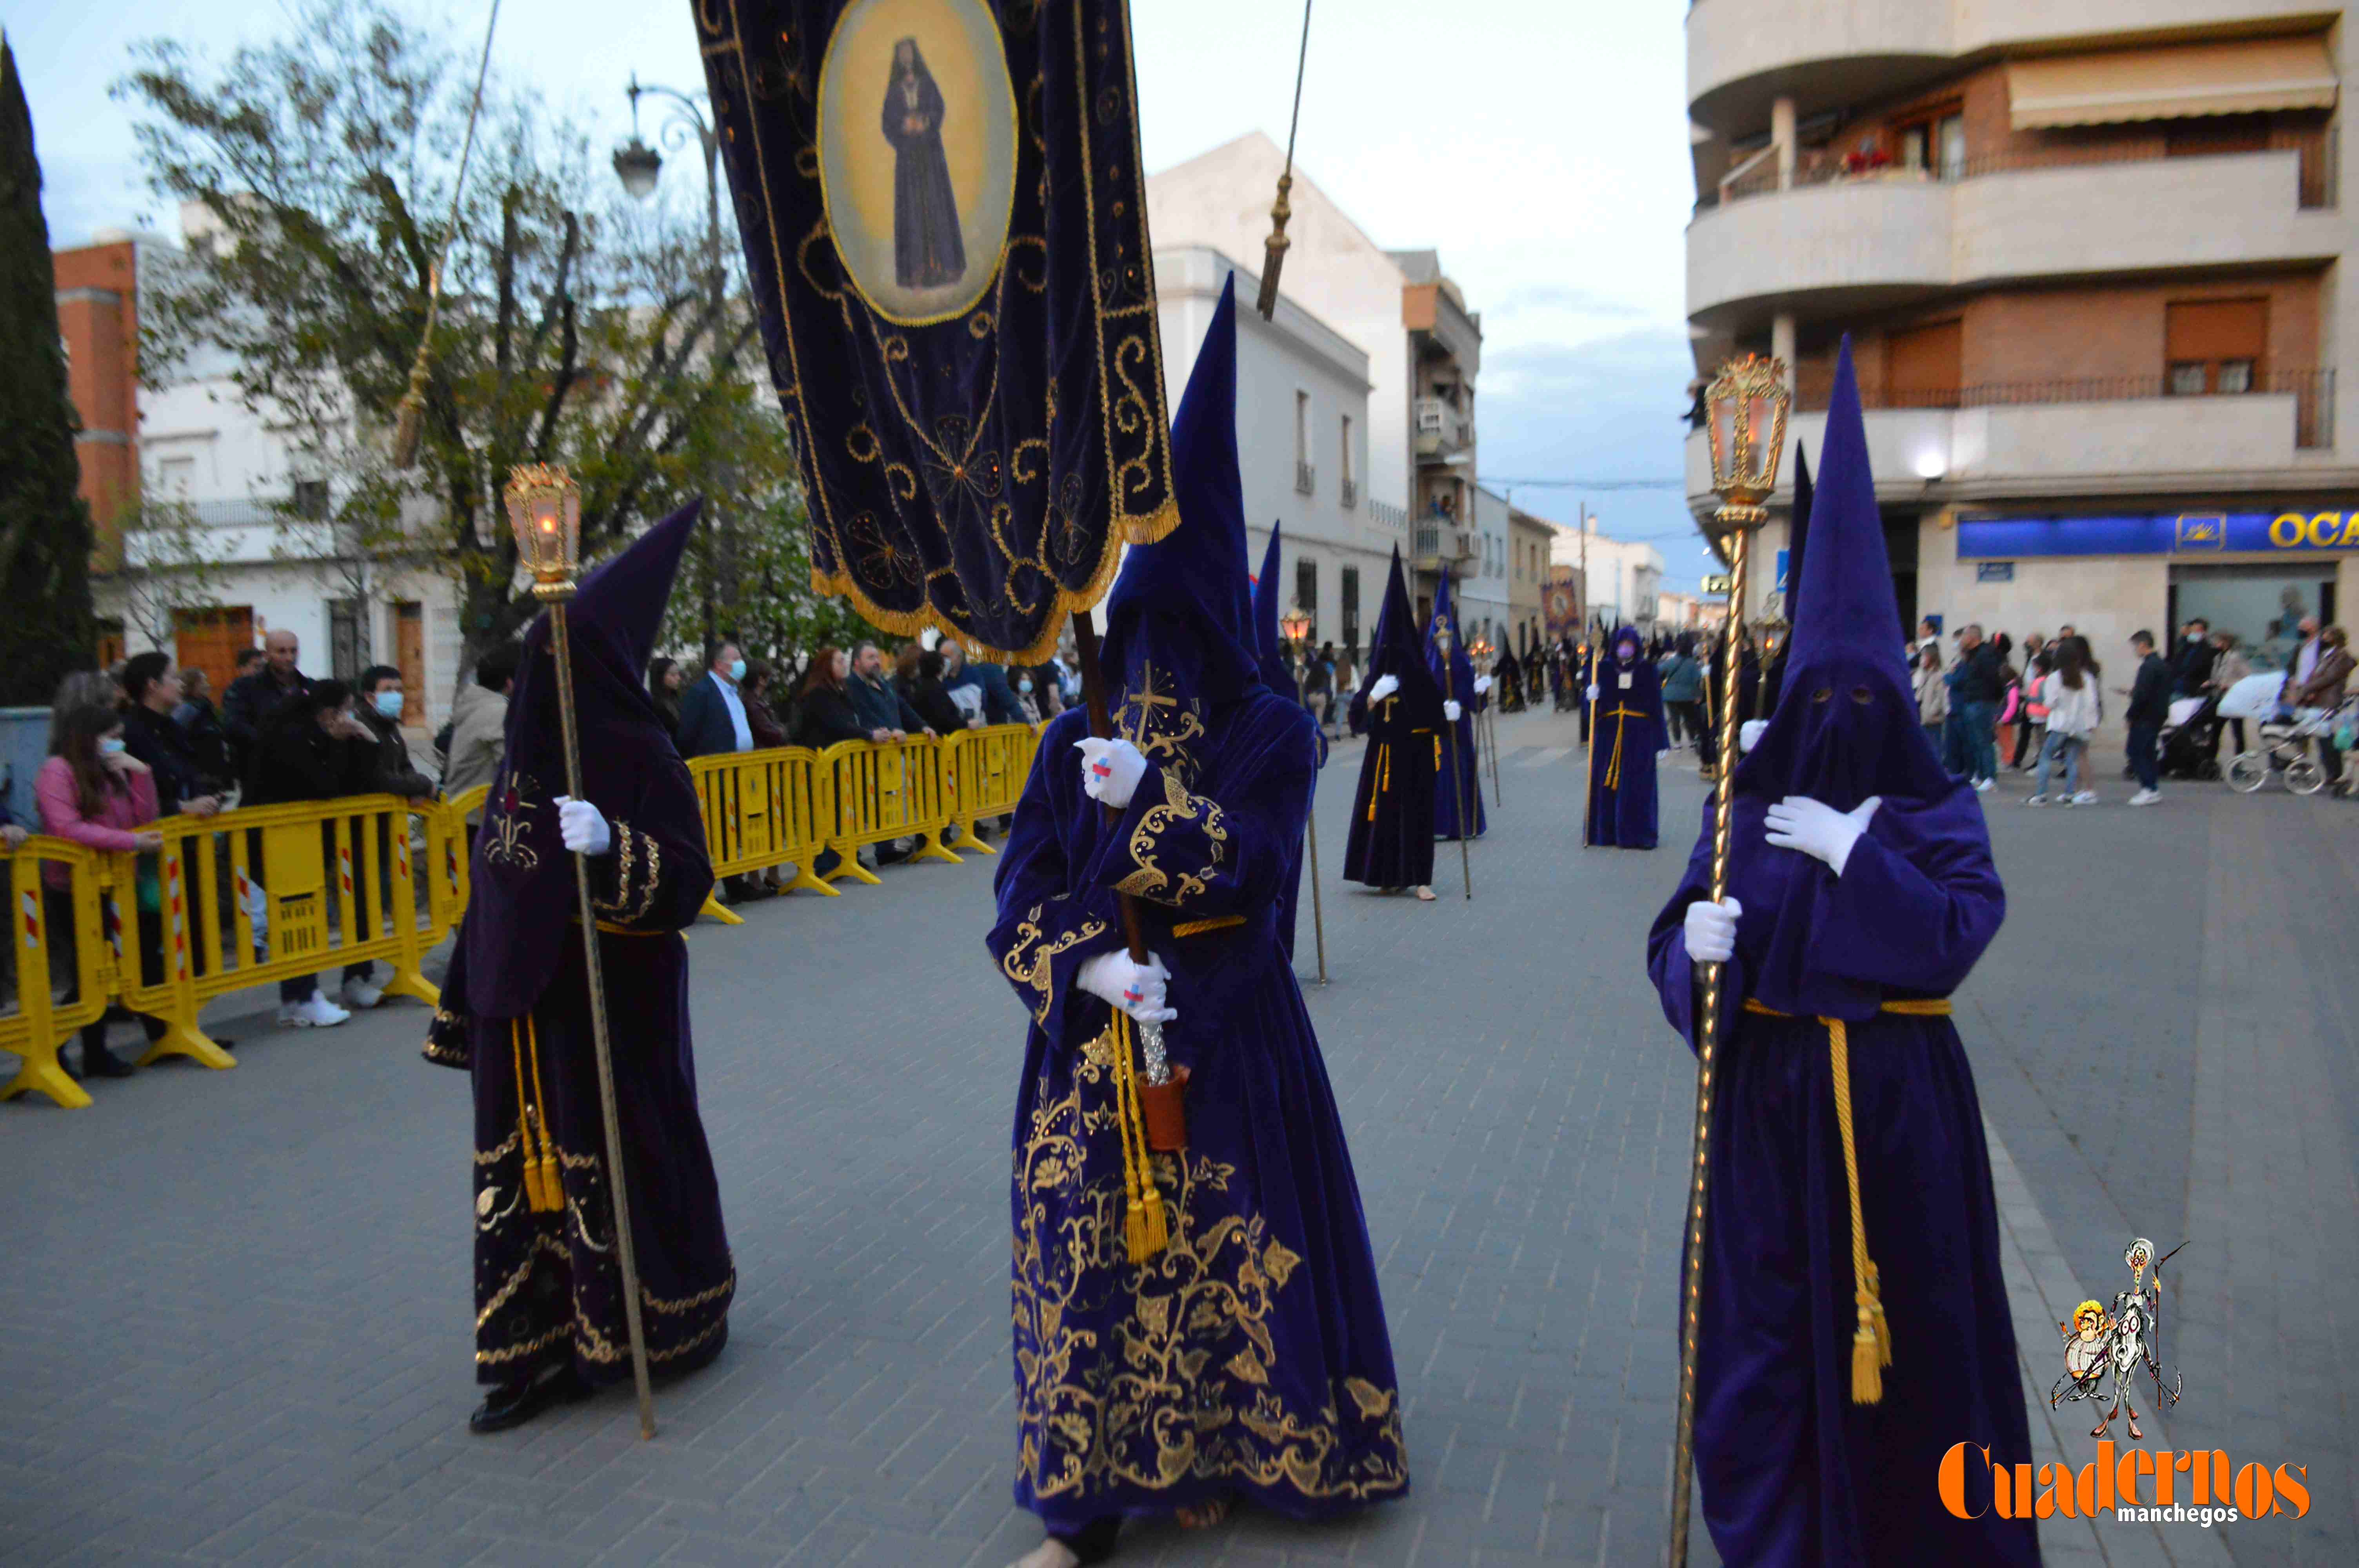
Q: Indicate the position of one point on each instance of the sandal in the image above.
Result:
(1209, 1515)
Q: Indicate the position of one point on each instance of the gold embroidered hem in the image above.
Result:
(1037, 967)
(1179, 1375)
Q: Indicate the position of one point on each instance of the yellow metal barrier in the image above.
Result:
(41, 1024)
(984, 774)
(255, 896)
(880, 793)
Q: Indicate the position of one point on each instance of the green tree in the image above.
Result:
(574, 328)
(45, 526)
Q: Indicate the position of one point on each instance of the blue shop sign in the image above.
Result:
(2166, 534)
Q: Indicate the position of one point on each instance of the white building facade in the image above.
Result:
(1625, 577)
(1302, 440)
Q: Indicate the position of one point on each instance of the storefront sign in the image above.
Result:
(2168, 534)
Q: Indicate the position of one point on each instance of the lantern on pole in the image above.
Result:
(1748, 403)
(545, 513)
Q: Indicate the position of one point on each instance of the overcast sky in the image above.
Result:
(1539, 145)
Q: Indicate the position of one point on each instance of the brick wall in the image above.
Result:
(98, 319)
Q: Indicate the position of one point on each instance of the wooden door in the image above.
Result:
(210, 641)
(110, 644)
(410, 658)
(1923, 366)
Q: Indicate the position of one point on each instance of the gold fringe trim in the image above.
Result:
(1871, 1340)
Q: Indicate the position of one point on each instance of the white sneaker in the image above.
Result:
(2086, 797)
(2039, 800)
(361, 994)
(316, 1013)
(1983, 786)
(2145, 797)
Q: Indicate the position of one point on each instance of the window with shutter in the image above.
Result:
(2215, 345)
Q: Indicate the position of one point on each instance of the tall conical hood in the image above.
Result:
(1454, 671)
(517, 915)
(1267, 641)
(1396, 651)
(1183, 604)
(1846, 725)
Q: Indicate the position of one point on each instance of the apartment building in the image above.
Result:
(1423, 347)
(1302, 439)
(1624, 576)
(1527, 568)
(2089, 254)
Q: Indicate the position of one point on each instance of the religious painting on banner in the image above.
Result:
(1560, 606)
(945, 229)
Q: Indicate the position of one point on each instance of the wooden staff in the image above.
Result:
(1318, 919)
(1457, 780)
(1589, 789)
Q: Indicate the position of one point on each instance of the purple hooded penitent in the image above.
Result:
(1285, 1398)
(1792, 1470)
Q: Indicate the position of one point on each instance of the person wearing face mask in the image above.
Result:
(711, 714)
(94, 792)
(1851, 1321)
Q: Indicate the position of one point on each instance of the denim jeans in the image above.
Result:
(1977, 739)
(2143, 737)
(2063, 752)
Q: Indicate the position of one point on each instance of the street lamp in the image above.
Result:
(639, 167)
(1294, 627)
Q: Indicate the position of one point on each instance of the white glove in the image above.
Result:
(1818, 829)
(1385, 685)
(1110, 770)
(582, 826)
(1482, 684)
(1451, 712)
(1590, 696)
(1711, 930)
(1748, 734)
(1138, 989)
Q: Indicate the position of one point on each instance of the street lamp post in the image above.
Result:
(638, 166)
(1294, 627)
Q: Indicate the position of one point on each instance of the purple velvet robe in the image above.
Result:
(1791, 1471)
(1630, 730)
(1250, 1359)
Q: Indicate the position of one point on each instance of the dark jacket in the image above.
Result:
(295, 759)
(201, 722)
(932, 704)
(768, 733)
(1979, 676)
(2327, 680)
(248, 707)
(2150, 692)
(880, 706)
(387, 768)
(824, 715)
(164, 747)
(705, 730)
(999, 705)
(2191, 667)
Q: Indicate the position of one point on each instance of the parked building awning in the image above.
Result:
(2249, 77)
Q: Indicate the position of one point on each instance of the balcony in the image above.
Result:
(1347, 494)
(1385, 515)
(1830, 53)
(1442, 430)
(2100, 437)
(1441, 543)
(1306, 478)
(1841, 246)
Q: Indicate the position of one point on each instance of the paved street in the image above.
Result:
(235, 1321)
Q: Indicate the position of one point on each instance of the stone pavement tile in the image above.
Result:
(898, 1548)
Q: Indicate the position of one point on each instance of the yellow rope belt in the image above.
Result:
(1384, 776)
(1145, 1228)
(1622, 717)
(1211, 923)
(543, 1190)
(1871, 1342)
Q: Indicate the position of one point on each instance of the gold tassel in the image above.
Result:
(410, 420)
(552, 1185)
(1145, 1228)
(1273, 250)
(1871, 1342)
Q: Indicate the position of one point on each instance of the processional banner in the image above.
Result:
(944, 220)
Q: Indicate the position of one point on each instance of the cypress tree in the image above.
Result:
(46, 626)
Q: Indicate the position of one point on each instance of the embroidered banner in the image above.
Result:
(945, 226)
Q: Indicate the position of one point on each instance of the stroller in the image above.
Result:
(2284, 750)
(2189, 747)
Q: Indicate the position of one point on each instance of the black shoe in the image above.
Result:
(98, 1062)
(513, 1404)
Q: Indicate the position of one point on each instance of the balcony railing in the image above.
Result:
(1441, 428)
(1758, 175)
(1347, 494)
(1306, 478)
(1387, 513)
(2312, 390)
(1443, 541)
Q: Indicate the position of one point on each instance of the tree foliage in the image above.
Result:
(45, 525)
(574, 328)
